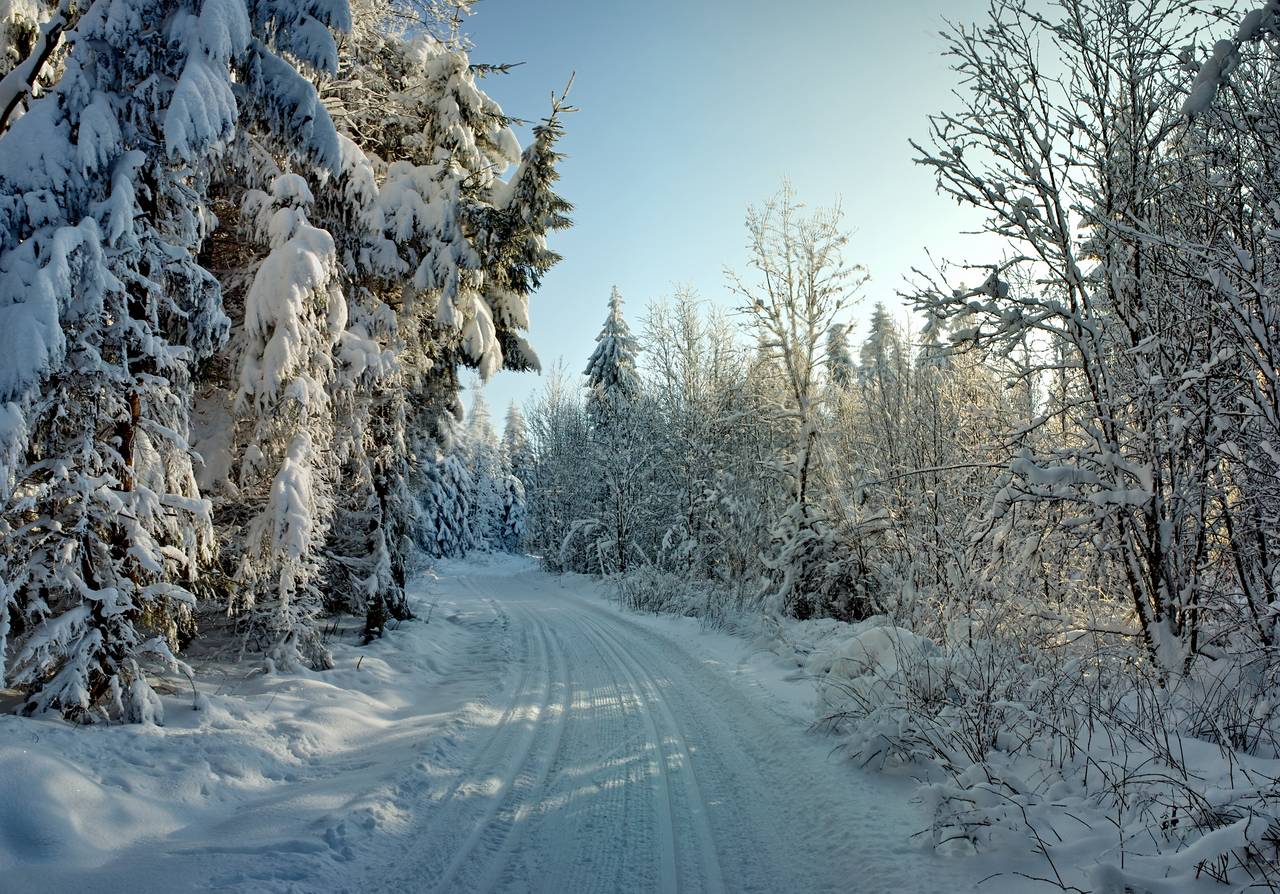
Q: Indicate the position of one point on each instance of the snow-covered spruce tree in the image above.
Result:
(100, 283)
(369, 543)
(801, 284)
(514, 518)
(612, 379)
(376, 521)
(497, 511)
(295, 315)
(476, 248)
(441, 176)
(270, 399)
(411, 98)
(369, 547)
(517, 464)
(884, 379)
(483, 459)
(476, 245)
(621, 447)
(364, 443)
(841, 370)
(444, 495)
(511, 234)
(517, 452)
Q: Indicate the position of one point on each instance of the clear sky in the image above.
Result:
(692, 110)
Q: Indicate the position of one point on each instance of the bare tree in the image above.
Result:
(798, 285)
(1069, 158)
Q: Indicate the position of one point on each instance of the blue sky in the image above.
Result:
(692, 110)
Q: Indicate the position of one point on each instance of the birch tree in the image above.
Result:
(797, 287)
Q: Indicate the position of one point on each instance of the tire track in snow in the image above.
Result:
(599, 787)
(663, 772)
(427, 844)
(489, 829)
(668, 874)
(526, 794)
(477, 762)
(675, 762)
(620, 799)
(759, 835)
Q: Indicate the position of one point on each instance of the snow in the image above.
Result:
(68, 819)
(217, 781)
(202, 111)
(1212, 74)
(212, 430)
(520, 729)
(1254, 22)
(280, 308)
(859, 665)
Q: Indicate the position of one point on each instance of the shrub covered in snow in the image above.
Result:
(650, 589)
(1072, 753)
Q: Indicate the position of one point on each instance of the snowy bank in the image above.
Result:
(300, 766)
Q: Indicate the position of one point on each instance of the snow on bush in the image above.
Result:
(1081, 754)
(864, 667)
(649, 589)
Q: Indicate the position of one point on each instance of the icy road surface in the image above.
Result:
(530, 737)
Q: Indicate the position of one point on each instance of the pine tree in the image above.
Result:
(443, 525)
(294, 316)
(840, 367)
(514, 516)
(475, 246)
(295, 189)
(484, 465)
(514, 228)
(612, 380)
(620, 446)
(882, 353)
(103, 283)
(361, 271)
(516, 450)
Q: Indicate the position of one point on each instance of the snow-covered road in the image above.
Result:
(622, 757)
(530, 737)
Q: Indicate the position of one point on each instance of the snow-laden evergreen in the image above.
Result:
(611, 374)
(517, 451)
(194, 254)
(444, 529)
(483, 460)
(108, 311)
(295, 314)
(840, 367)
